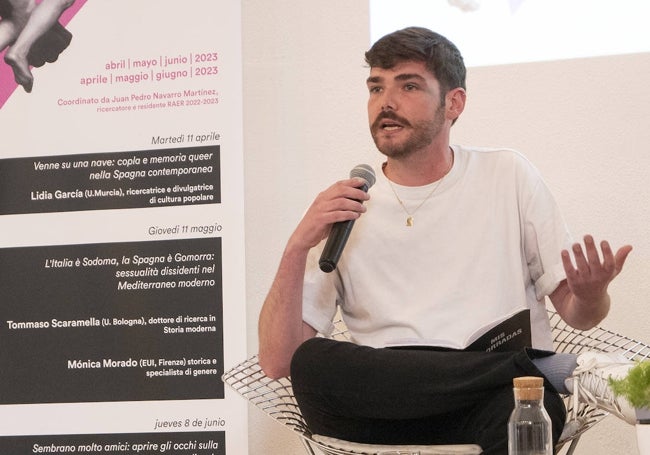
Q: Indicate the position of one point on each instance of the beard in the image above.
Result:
(421, 134)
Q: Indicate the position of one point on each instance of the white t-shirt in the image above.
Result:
(486, 243)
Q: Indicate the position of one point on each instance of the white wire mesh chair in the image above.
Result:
(275, 396)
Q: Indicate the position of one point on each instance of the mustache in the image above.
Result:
(389, 115)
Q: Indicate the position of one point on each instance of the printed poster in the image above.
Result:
(122, 229)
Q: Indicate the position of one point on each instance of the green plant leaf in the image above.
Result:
(635, 387)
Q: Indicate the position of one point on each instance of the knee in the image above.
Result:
(306, 356)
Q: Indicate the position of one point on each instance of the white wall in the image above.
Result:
(584, 123)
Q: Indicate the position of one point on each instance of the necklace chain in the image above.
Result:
(409, 218)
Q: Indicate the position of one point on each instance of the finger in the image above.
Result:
(592, 251)
(358, 182)
(330, 208)
(351, 189)
(342, 189)
(350, 205)
(621, 256)
(340, 210)
(609, 263)
(581, 262)
(569, 269)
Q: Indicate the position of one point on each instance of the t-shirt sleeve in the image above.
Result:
(545, 236)
(320, 294)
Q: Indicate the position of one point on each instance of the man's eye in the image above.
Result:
(410, 87)
(374, 89)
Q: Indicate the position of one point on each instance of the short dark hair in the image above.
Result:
(441, 57)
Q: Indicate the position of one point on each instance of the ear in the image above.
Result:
(455, 102)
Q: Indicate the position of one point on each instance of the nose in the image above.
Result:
(388, 103)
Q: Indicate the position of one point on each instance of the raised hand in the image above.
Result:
(592, 272)
(340, 202)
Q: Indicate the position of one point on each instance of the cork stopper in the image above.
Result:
(528, 388)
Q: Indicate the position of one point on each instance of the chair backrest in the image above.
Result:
(568, 339)
(275, 396)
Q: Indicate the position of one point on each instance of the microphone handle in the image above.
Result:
(334, 245)
(336, 242)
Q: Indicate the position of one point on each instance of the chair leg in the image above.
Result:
(308, 447)
(572, 446)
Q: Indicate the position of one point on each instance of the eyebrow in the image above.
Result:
(399, 77)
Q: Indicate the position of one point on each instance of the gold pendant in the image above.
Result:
(409, 221)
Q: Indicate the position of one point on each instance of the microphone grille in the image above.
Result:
(365, 172)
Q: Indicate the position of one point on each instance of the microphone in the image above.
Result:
(341, 230)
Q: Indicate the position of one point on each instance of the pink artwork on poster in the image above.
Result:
(31, 36)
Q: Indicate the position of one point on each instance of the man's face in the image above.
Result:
(404, 108)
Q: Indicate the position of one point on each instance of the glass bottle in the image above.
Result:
(529, 427)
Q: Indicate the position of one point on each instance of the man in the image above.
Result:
(449, 240)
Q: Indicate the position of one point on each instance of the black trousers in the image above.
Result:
(413, 395)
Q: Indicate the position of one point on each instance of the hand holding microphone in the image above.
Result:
(340, 232)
